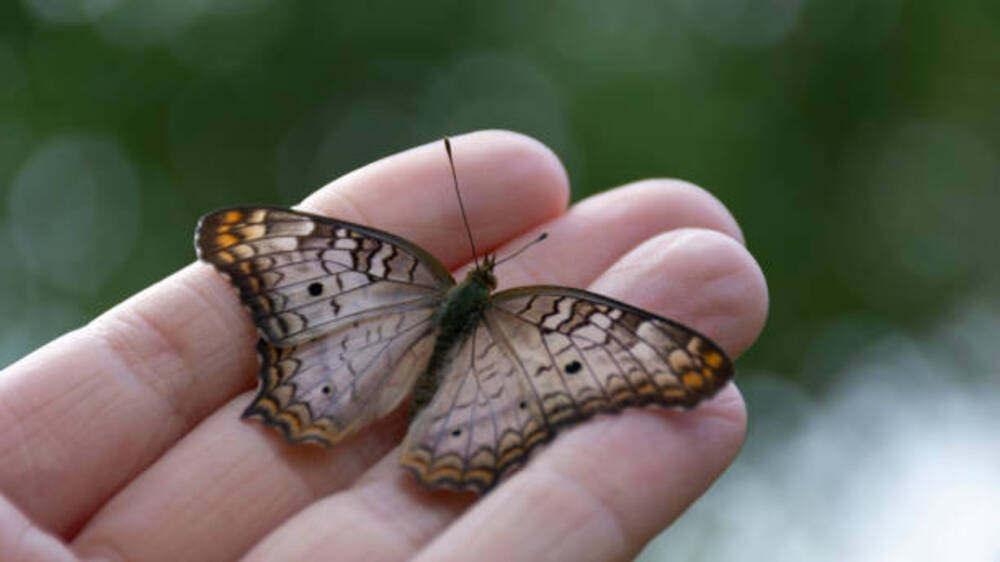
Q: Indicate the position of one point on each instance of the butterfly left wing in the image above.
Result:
(303, 275)
(345, 313)
(544, 357)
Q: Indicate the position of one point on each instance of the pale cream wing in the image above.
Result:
(480, 422)
(345, 314)
(304, 275)
(544, 357)
(328, 388)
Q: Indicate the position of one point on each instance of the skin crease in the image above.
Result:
(141, 453)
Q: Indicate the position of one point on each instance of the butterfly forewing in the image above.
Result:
(345, 315)
(304, 275)
(544, 357)
(604, 354)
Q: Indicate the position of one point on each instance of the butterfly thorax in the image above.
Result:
(456, 318)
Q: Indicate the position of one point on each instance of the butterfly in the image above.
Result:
(353, 320)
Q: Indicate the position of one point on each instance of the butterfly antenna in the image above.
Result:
(541, 237)
(458, 193)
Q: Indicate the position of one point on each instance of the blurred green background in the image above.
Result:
(858, 143)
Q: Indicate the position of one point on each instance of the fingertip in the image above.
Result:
(668, 204)
(533, 173)
(696, 276)
(509, 183)
(542, 163)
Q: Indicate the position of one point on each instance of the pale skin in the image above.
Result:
(123, 439)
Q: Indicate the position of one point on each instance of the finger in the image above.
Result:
(390, 515)
(224, 486)
(699, 278)
(645, 207)
(21, 539)
(385, 516)
(509, 183)
(568, 503)
(605, 488)
(92, 409)
(597, 231)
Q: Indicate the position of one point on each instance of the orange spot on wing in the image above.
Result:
(226, 240)
(482, 474)
(532, 436)
(674, 392)
(693, 380)
(232, 216)
(509, 455)
(645, 388)
(713, 359)
(444, 473)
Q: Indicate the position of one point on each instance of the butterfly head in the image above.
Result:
(482, 274)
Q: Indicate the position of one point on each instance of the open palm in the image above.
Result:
(123, 438)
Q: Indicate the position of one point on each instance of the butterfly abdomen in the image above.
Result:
(456, 319)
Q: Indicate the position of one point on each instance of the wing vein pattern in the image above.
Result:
(545, 357)
(345, 314)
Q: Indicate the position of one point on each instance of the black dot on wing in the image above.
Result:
(456, 432)
(573, 367)
(522, 405)
(315, 289)
(326, 389)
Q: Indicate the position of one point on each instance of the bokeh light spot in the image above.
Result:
(935, 189)
(74, 211)
(145, 22)
(742, 22)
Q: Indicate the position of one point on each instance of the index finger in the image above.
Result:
(87, 412)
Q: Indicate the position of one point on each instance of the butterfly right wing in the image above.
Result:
(304, 275)
(543, 358)
(345, 315)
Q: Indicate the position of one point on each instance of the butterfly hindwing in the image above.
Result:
(480, 421)
(544, 357)
(328, 388)
(304, 275)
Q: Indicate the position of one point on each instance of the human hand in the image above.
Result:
(124, 439)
